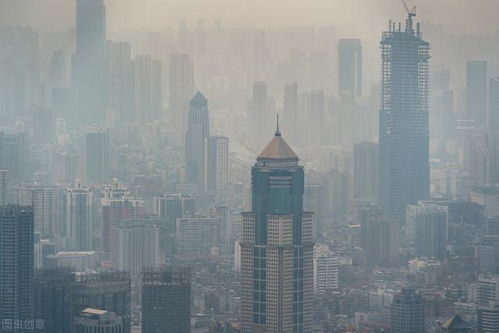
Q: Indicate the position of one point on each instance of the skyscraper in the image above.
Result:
(259, 116)
(493, 128)
(16, 264)
(166, 300)
(3, 187)
(181, 90)
(350, 67)
(96, 155)
(147, 93)
(13, 154)
(476, 91)
(365, 174)
(277, 246)
(404, 169)
(426, 224)
(119, 80)
(408, 312)
(89, 62)
(79, 217)
(218, 163)
(195, 141)
(290, 108)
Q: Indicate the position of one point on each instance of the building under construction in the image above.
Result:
(404, 171)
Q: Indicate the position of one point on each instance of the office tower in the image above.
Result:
(96, 154)
(313, 201)
(379, 237)
(135, 246)
(259, 114)
(488, 303)
(56, 76)
(316, 118)
(79, 217)
(43, 249)
(277, 246)
(426, 224)
(408, 312)
(108, 291)
(365, 170)
(326, 270)
(404, 170)
(350, 67)
(476, 91)
(195, 140)
(290, 109)
(118, 205)
(4, 187)
(493, 131)
(471, 144)
(98, 321)
(218, 163)
(200, 235)
(166, 300)
(181, 91)
(119, 80)
(48, 208)
(14, 152)
(16, 263)
(147, 93)
(52, 299)
(89, 62)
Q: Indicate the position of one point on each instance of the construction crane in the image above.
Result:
(411, 10)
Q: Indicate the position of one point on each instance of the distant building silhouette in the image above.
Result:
(195, 141)
(217, 176)
(476, 91)
(404, 170)
(350, 67)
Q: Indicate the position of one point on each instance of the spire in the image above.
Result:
(278, 131)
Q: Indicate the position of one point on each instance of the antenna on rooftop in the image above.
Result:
(411, 12)
(278, 131)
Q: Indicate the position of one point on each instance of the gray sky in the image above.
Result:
(351, 17)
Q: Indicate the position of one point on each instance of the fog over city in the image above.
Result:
(251, 166)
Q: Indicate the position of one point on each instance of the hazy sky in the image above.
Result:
(351, 17)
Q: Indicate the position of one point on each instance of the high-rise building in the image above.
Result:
(119, 80)
(379, 237)
(43, 126)
(426, 225)
(117, 205)
(217, 176)
(404, 168)
(4, 186)
(98, 321)
(13, 155)
(16, 264)
(488, 303)
(259, 113)
(290, 109)
(48, 208)
(326, 271)
(277, 246)
(52, 299)
(350, 67)
(135, 247)
(476, 91)
(79, 217)
(365, 174)
(108, 291)
(316, 118)
(195, 141)
(147, 92)
(493, 131)
(89, 62)
(166, 300)
(408, 312)
(181, 90)
(200, 235)
(96, 154)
